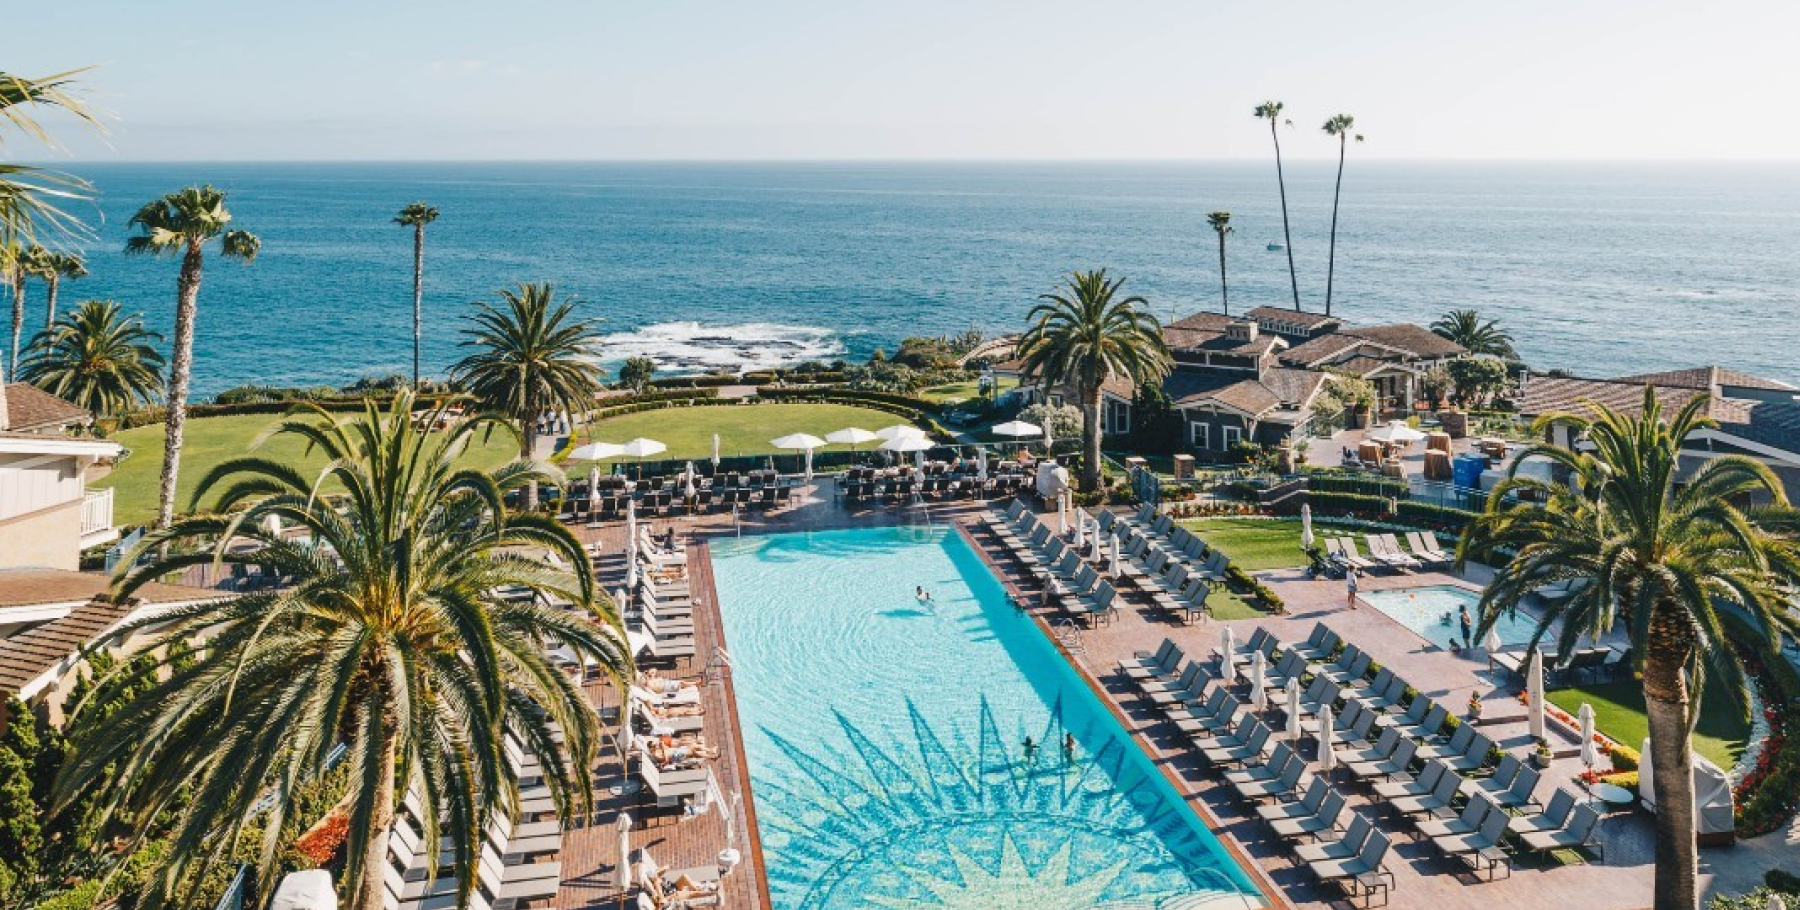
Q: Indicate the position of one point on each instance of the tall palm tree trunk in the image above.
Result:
(372, 887)
(181, 368)
(1224, 287)
(418, 293)
(527, 451)
(1286, 233)
(18, 320)
(1667, 702)
(1331, 257)
(1090, 438)
(50, 283)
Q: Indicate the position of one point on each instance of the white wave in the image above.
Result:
(690, 347)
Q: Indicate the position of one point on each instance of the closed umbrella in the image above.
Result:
(1590, 750)
(715, 458)
(1259, 673)
(981, 465)
(1080, 529)
(1293, 708)
(1327, 757)
(1306, 532)
(624, 849)
(1492, 641)
(1227, 645)
(593, 483)
(1114, 567)
(1534, 685)
(631, 545)
(1062, 512)
(688, 489)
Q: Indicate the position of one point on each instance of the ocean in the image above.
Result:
(1602, 268)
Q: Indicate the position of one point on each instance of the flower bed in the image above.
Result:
(1767, 795)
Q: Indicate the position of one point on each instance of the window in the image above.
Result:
(1121, 417)
(1199, 435)
(1056, 400)
(1233, 436)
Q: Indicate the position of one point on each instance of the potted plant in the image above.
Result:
(1474, 708)
(1540, 758)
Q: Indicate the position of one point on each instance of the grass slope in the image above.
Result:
(1619, 713)
(211, 440)
(1258, 543)
(743, 429)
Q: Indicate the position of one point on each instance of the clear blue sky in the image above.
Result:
(671, 79)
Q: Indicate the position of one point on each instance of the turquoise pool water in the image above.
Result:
(1423, 610)
(885, 739)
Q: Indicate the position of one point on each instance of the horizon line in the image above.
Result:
(64, 162)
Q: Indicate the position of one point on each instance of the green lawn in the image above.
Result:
(1619, 713)
(743, 429)
(1259, 543)
(961, 390)
(211, 440)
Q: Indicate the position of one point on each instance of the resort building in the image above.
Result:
(47, 514)
(1255, 378)
(1758, 418)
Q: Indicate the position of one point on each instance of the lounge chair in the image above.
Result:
(1380, 697)
(1582, 832)
(1249, 749)
(1436, 716)
(1349, 668)
(1189, 603)
(1497, 782)
(1435, 802)
(1316, 813)
(1435, 746)
(1335, 549)
(1356, 834)
(1426, 550)
(1279, 758)
(1291, 666)
(1360, 873)
(1468, 821)
(1291, 779)
(1147, 665)
(1419, 785)
(1482, 847)
(1260, 640)
(1215, 715)
(1349, 729)
(1320, 644)
(1555, 815)
(1397, 761)
(1378, 548)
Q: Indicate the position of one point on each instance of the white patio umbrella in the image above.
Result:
(914, 444)
(1293, 708)
(1590, 750)
(640, 449)
(1227, 645)
(1259, 675)
(631, 545)
(1397, 432)
(687, 490)
(981, 464)
(1080, 530)
(889, 434)
(596, 451)
(1306, 532)
(1492, 641)
(1062, 512)
(1534, 685)
(624, 849)
(1113, 567)
(715, 452)
(593, 482)
(805, 442)
(1017, 429)
(1327, 757)
(851, 436)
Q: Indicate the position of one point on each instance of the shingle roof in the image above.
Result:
(1569, 395)
(1770, 423)
(1710, 378)
(1413, 339)
(1315, 351)
(1280, 314)
(1206, 331)
(1248, 394)
(30, 409)
(27, 655)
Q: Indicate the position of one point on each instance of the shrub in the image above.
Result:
(1624, 758)
(1626, 779)
(1377, 508)
(1782, 880)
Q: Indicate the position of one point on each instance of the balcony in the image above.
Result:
(97, 518)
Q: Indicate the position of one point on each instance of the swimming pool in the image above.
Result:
(1423, 609)
(886, 736)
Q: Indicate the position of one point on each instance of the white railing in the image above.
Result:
(97, 512)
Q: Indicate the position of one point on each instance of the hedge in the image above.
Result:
(150, 416)
(1360, 484)
(1252, 584)
(658, 405)
(921, 405)
(701, 382)
(1377, 508)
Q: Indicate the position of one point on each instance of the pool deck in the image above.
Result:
(1622, 882)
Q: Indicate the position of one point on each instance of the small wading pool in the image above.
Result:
(1431, 611)
(885, 738)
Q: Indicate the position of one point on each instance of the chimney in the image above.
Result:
(1241, 331)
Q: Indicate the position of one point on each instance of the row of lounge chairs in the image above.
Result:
(1385, 552)
(1071, 582)
(1167, 561)
(1439, 780)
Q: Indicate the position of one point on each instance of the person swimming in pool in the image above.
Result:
(1068, 747)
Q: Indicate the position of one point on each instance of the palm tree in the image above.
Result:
(530, 356)
(31, 198)
(417, 216)
(1221, 225)
(1662, 557)
(389, 640)
(1340, 127)
(1466, 328)
(96, 357)
(54, 267)
(185, 222)
(16, 265)
(1271, 111)
(1086, 334)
